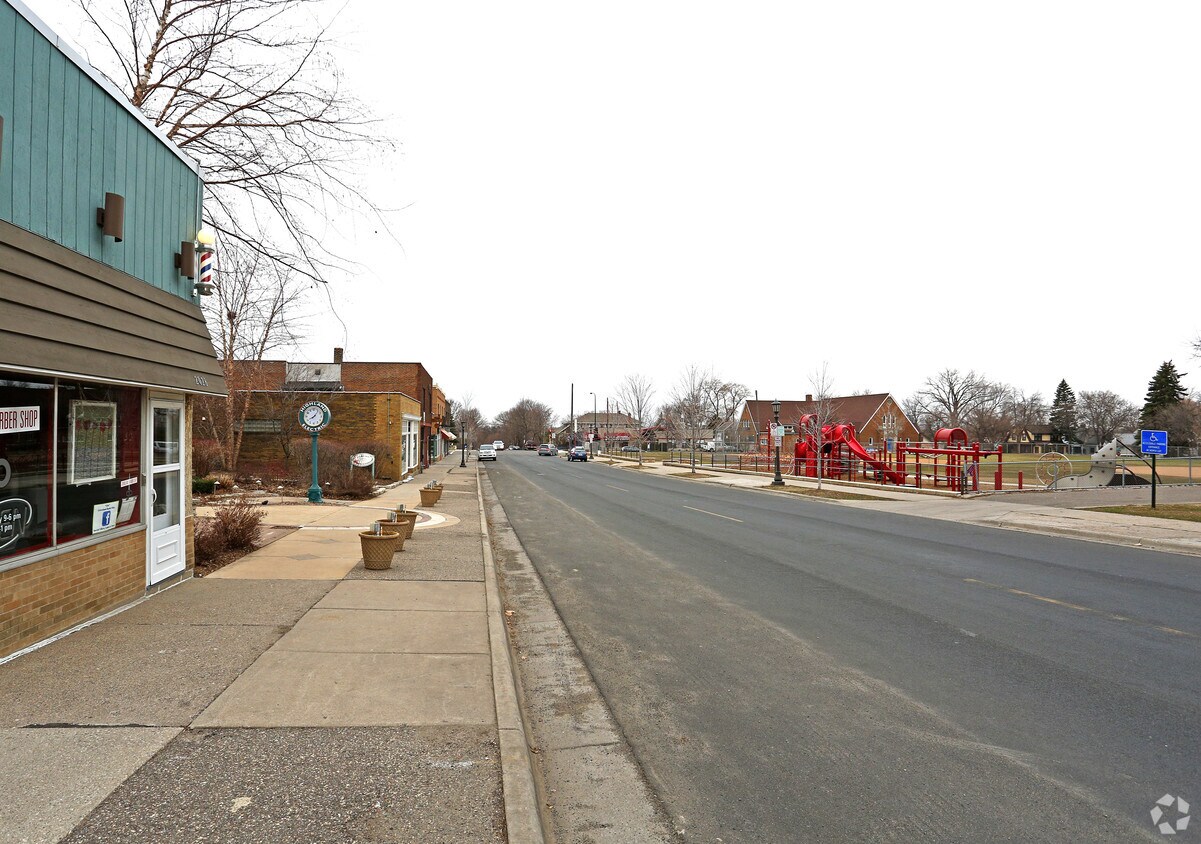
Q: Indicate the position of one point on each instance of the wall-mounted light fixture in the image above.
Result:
(185, 259)
(111, 218)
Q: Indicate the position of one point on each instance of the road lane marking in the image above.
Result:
(707, 513)
(619, 489)
(1079, 607)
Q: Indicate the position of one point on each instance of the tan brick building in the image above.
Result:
(393, 410)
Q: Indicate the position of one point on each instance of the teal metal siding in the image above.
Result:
(66, 142)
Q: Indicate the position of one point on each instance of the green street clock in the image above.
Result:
(314, 416)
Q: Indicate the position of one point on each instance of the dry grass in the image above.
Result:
(692, 475)
(1184, 512)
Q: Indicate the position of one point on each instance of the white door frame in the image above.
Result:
(166, 548)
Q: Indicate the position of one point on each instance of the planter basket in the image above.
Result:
(378, 550)
(409, 519)
(397, 528)
(429, 497)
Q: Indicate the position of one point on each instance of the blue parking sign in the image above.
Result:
(1155, 442)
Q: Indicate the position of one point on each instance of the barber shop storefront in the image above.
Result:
(103, 346)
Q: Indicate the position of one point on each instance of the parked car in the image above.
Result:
(632, 448)
(547, 450)
(487, 452)
(578, 453)
(499, 445)
(706, 445)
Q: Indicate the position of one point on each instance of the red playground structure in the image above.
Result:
(837, 447)
(960, 467)
(952, 461)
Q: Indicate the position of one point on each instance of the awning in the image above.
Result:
(67, 315)
(447, 434)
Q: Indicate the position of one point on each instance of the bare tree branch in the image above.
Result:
(249, 89)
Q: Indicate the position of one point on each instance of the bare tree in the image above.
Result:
(254, 311)
(1102, 414)
(1029, 410)
(723, 398)
(636, 392)
(689, 408)
(947, 399)
(469, 419)
(990, 419)
(823, 411)
(248, 88)
(528, 419)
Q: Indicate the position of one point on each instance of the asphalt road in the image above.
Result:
(795, 670)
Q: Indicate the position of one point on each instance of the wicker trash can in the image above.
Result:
(378, 549)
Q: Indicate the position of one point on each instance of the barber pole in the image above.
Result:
(206, 268)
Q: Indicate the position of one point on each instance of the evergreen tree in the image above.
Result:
(1063, 413)
(1164, 391)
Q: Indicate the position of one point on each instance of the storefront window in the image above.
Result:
(26, 460)
(99, 431)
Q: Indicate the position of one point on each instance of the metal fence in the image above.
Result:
(1044, 472)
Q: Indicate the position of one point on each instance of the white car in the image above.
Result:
(499, 445)
(487, 452)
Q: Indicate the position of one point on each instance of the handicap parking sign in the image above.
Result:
(1155, 442)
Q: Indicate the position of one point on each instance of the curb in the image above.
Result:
(523, 821)
(1187, 547)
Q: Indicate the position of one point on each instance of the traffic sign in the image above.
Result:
(1155, 442)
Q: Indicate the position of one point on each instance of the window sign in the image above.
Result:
(93, 441)
(20, 420)
(15, 515)
(104, 517)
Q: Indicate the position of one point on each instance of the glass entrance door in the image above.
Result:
(167, 552)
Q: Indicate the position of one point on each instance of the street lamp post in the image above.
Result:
(592, 440)
(462, 445)
(775, 409)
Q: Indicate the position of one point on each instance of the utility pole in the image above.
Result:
(572, 413)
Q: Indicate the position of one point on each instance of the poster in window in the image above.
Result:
(93, 443)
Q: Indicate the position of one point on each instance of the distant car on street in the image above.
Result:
(632, 448)
(578, 453)
(499, 445)
(547, 450)
(487, 452)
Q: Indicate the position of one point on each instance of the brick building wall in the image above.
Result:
(51, 595)
(358, 419)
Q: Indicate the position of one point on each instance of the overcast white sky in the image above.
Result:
(595, 190)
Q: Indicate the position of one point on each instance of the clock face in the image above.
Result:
(313, 416)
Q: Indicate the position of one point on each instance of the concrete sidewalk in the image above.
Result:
(290, 696)
(1060, 515)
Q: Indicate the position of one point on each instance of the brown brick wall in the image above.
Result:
(355, 418)
(51, 595)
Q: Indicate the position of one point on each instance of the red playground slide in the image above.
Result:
(857, 449)
(843, 434)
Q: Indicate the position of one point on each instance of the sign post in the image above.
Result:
(1154, 443)
(314, 416)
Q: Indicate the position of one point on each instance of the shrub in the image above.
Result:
(238, 522)
(334, 471)
(210, 542)
(206, 458)
(203, 486)
(234, 526)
